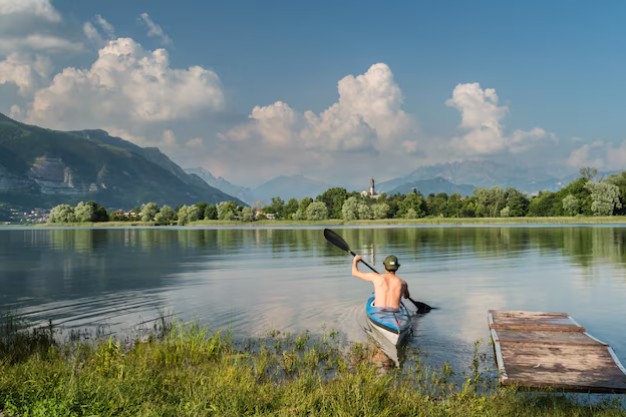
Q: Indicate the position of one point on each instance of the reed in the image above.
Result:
(192, 371)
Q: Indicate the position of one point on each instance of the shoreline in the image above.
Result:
(487, 221)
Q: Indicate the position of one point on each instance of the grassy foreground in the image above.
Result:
(189, 371)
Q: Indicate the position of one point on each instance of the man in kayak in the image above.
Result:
(388, 287)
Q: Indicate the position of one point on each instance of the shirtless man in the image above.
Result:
(388, 287)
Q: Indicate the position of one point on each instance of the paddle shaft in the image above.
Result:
(364, 263)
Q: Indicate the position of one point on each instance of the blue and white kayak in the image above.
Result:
(393, 325)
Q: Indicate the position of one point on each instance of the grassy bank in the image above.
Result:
(391, 222)
(190, 371)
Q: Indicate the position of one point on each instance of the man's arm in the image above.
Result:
(405, 290)
(366, 276)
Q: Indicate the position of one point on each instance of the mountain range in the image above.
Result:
(41, 168)
(283, 186)
(485, 174)
(429, 186)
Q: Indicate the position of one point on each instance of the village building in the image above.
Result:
(371, 193)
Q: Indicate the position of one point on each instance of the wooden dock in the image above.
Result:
(551, 350)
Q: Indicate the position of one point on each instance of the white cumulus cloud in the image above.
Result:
(108, 28)
(481, 123)
(600, 155)
(124, 86)
(616, 157)
(587, 155)
(367, 116)
(40, 8)
(39, 42)
(35, 26)
(273, 124)
(154, 30)
(25, 71)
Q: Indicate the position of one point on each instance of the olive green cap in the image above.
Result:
(391, 263)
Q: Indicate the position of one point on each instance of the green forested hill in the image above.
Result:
(42, 167)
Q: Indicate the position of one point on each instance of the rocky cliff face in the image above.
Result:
(53, 176)
(42, 167)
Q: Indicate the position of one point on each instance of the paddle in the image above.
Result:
(339, 242)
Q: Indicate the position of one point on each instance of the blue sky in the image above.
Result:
(336, 91)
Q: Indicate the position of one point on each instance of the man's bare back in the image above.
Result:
(388, 287)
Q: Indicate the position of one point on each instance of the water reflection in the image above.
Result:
(386, 355)
(581, 244)
(251, 280)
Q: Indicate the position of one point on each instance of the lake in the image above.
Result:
(251, 281)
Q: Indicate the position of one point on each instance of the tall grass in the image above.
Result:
(18, 341)
(191, 371)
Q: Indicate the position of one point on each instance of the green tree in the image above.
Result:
(571, 205)
(202, 206)
(364, 211)
(412, 206)
(277, 208)
(303, 204)
(290, 208)
(165, 216)
(148, 211)
(393, 204)
(247, 214)
(380, 210)
(545, 204)
(63, 213)
(454, 206)
(588, 173)
(226, 210)
(317, 210)
(578, 190)
(210, 213)
(90, 212)
(334, 199)
(517, 203)
(436, 204)
(188, 214)
(605, 197)
(468, 207)
(349, 210)
(619, 180)
(489, 201)
(83, 212)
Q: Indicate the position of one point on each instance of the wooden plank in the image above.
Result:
(539, 327)
(590, 367)
(535, 321)
(539, 349)
(547, 337)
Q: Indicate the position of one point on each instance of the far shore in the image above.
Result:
(487, 221)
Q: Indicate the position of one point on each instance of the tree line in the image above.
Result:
(585, 196)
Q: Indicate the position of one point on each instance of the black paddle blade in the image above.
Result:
(336, 240)
(422, 308)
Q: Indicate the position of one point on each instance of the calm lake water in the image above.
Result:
(254, 280)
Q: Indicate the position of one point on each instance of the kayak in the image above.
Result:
(393, 325)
